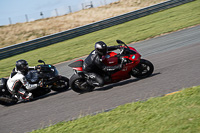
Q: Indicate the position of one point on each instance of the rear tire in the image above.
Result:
(7, 101)
(76, 83)
(144, 69)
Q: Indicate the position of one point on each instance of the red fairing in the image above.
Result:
(78, 68)
(134, 50)
(110, 59)
(79, 60)
(77, 65)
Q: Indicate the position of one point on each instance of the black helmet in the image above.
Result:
(101, 48)
(22, 66)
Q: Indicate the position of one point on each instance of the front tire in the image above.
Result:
(79, 84)
(144, 69)
(61, 85)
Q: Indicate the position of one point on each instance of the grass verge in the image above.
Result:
(162, 22)
(177, 113)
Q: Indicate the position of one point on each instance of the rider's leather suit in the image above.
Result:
(96, 69)
(18, 85)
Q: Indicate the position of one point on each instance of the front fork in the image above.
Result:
(53, 80)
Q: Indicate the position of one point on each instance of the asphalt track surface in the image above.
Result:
(176, 58)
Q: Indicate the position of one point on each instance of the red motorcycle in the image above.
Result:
(133, 65)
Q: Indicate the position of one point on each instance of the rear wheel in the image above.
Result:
(79, 84)
(6, 100)
(144, 69)
(61, 85)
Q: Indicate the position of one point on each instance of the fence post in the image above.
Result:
(41, 14)
(91, 4)
(26, 17)
(10, 21)
(56, 12)
(83, 6)
(70, 10)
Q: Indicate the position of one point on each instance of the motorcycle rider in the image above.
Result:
(17, 83)
(93, 66)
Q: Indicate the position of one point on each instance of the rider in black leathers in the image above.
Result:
(93, 66)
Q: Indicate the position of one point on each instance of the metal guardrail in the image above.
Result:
(69, 34)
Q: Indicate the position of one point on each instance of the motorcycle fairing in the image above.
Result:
(3, 82)
(111, 59)
(77, 65)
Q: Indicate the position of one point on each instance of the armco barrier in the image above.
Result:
(69, 34)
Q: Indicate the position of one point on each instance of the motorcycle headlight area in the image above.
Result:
(53, 69)
(56, 71)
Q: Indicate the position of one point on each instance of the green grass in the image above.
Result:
(177, 113)
(166, 21)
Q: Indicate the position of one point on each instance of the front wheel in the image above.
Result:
(144, 69)
(79, 84)
(61, 85)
